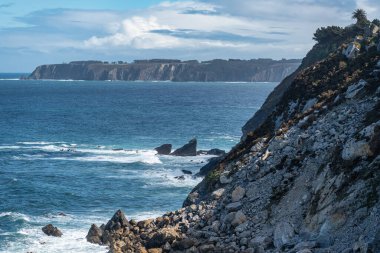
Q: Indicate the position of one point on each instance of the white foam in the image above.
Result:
(113, 159)
(10, 147)
(15, 216)
(38, 142)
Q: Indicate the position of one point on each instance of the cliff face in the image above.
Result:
(306, 179)
(261, 70)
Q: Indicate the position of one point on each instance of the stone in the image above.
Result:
(155, 250)
(189, 149)
(353, 150)
(206, 248)
(162, 236)
(233, 207)
(183, 244)
(216, 151)
(283, 234)
(117, 222)
(354, 89)
(94, 235)
(187, 172)
(238, 194)
(164, 149)
(239, 218)
(217, 193)
(50, 230)
(224, 179)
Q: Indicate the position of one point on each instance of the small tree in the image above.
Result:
(361, 17)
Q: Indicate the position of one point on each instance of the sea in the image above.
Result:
(74, 152)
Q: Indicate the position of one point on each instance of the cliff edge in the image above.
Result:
(260, 70)
(305, 180)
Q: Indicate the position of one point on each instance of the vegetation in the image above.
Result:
(325, 34)
(361, 17)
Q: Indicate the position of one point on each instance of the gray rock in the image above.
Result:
(233, 207)
(283, 234)
(94, 235)
(224, 179)
(50, 230)
(237, 194)
(353, 150)
(217, 193)
(239, 218)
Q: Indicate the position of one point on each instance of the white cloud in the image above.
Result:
(197, 29)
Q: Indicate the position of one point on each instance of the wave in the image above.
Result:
(113, 159)
(15, 216)
(39, 142)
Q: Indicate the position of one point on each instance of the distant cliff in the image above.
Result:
(258, 70)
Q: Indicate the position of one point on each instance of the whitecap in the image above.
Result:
(16, 216)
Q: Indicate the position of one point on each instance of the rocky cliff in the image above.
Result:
(260, 70)
(306, 179)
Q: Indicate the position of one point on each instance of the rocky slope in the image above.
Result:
(306, 179)
(261, 70)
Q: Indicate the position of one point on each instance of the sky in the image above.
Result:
(55, 31)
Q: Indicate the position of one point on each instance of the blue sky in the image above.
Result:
(55, 31)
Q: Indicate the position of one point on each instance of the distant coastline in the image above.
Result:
(255, 70)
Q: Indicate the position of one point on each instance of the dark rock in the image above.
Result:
(164, 149)
(161, 237)
(50, 230)
(94, 235)
(117, 221)
(216, 151)
(187, 172)
(180, 177)
(212, 163)
(183, 244)
(189, 149)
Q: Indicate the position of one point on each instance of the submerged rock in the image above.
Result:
(189, 149)
(50, 230)
(164, 149)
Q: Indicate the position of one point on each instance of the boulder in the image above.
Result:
(94, 235)
(353, 150)
(164, 149)
(117, 222)
(50, 230)
(187, 172)
(283, 234)
(237, 194)
(214, 151)
(161, 237)
(189, 149)
(238, 219)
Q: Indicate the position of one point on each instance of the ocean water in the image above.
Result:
(60, 157)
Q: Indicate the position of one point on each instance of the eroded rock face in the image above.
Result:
(50, 230)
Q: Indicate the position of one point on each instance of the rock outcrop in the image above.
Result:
(164, 149)
(189, 149)
(306, 179)
(50, 230)
(260, 70)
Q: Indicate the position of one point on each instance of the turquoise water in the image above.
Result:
(57, 151)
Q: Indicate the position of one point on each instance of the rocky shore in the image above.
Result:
(304, 179)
